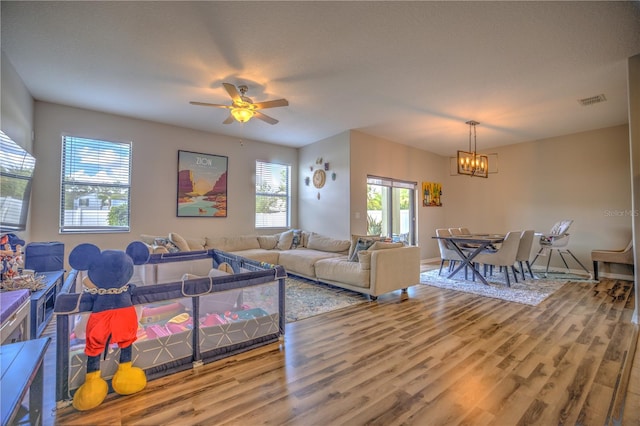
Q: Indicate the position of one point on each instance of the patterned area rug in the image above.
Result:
(306, 298)
(528, 292)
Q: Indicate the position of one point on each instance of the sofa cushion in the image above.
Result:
(380, 245)
(180, 242)
(332, 245)
(305, 238)
(229, 244)
(267, 242)
(343, 271)
(196, 243)
(301, 260)
(285, 240)
(364, 258)
(260, 255)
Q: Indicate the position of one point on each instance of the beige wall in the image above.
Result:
(379, 157)
(17, 106)
(154, 175)
(584, 177)
(329, 214)
(16, 116)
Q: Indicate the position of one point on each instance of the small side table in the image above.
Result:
(22, 371)
(42, 301)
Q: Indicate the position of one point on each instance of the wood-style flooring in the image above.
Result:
(438, 357)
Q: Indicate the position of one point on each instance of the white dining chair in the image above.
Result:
(455, 231)
(524, 251)
(505, 256)
(446, 253)
(464, 231)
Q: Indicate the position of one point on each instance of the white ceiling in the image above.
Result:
(410, 72)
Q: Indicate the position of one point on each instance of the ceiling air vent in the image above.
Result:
(592, 100)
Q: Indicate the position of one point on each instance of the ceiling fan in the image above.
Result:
(243, 108)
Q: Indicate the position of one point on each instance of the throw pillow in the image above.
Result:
(354, 241)
(364, 257)
(305, 238)
(361, 245)
(166, 243)
(286, 238)
(297, 239)
(180, 242)
(268, 242)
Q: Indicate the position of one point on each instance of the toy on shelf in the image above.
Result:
(11, 259)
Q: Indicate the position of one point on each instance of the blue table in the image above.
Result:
(21, 364)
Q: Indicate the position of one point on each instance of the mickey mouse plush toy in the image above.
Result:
(113, 318)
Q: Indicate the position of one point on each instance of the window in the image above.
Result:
(16, 170)
(273, 195)
(96, 183)
(391, 209)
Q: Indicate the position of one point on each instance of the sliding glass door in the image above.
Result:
(391, 208)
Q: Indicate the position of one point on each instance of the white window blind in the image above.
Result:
(96, 182)
(273, 195)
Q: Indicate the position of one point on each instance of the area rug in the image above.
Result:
(528, 292)
(306, 298)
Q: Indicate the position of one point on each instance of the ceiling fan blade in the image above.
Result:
(209, 105)
(233, 92)
(272, 104)
(228, 120)
(265, 118)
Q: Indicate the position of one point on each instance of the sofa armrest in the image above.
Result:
(394, 269)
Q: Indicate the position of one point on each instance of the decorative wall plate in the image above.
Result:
(319, 178)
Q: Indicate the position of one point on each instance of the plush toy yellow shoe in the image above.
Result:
(128, 379)
(91, 393)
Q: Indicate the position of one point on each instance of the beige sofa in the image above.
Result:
(361, 264)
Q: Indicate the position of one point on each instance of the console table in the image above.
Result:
(42, 301)
(22, 371)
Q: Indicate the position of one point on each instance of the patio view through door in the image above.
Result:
(391, 208)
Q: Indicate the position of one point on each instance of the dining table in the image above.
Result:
(468, 247)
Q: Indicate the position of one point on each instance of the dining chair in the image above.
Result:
(524, 251)
(446, 253)
(504, 257)
(455, 231)
(464, 231)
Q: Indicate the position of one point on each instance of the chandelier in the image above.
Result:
(470, 162)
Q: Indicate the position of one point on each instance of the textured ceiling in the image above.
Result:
(410, 72)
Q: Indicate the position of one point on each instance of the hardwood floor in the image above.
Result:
(437, 358)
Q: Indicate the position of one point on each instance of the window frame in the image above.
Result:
(101, 147)
(260, 224)
(391, 184)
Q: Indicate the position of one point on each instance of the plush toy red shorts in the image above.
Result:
(121, 324)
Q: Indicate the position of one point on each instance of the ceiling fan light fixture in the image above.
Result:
(242, 114)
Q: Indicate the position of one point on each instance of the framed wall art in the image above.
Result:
(202, 185)
(431, 193)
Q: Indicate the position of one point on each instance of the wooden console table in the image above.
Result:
(42, 301)
(22, 371)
